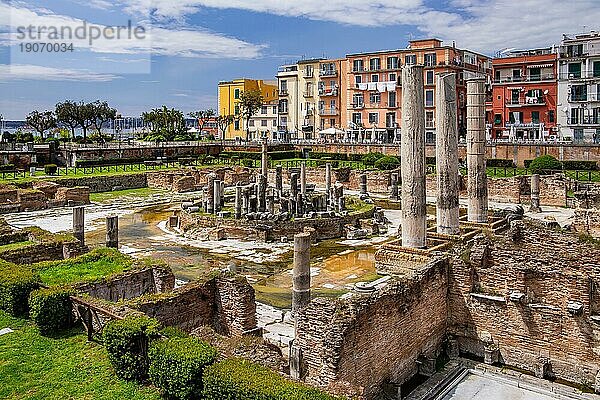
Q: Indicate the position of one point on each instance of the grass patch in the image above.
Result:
(96, 265)
(355, 206)
(282, 297)
(107, 197)
(67, 367)
(15, 246)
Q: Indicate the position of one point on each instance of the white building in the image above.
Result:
(264, 122)
(578, 105)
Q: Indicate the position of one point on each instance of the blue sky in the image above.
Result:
(196, 43)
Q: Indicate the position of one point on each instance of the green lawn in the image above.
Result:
(98, 264)
(105, 197)
(68, 367)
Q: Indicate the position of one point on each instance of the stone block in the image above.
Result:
(216, 234)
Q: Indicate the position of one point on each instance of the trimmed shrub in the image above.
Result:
(176, 366)
(387, 163)
(51, 309)
(580, 165)
(247, 163)
(7, 167)
(499, 162)
(127, 343)
(242, 379)
(16, 284)
(545, 163)
(370, 158)
(50, 169)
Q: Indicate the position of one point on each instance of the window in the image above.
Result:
(429, 119)
(283, 121)
(236, 124)
(514, 96)
(374, 64)
(497, 119)
(373, 118)
(516, 74)
(574, 70)
(357, 65)
(236, 94)
(535, 74)
(574, 116)
(579, 93)
(251, 123)
(237, 109)
(283, 106)
(515, 117)
(578, 134)
(375, 78)
(263, 122)
(283, 86)
(392, 77)
(392, 62)
(410, 59)
(596, 69)
(358, 79)
(551, 116)
(392, 99)
(274, 109)
(332, 122)
(429, 98)
(575, 50)
(430, 59)
(375, 97)
(274, 123)
(357, 100)
(332, 84)
(429, 77)
(357, 118)
(535, 117)
(390, 120)
(263, 110)
(497, 75)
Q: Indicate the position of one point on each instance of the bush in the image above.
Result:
(16, 284)
(387, 163)
(7, 167)
(176, 366)
(579, 165)
(500, 163)
(127, 343)
(544, 163)
(247, 163)
(50, 169)
(51, 309)
(242, 379)
(370, 158)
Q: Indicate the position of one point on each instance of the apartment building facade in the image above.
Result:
(309, 98)
(524, 96)
(229, 97)
(579, 87)
(373, 87)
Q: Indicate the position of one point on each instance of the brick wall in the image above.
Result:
(587, 222)
(369, 340)
(551, 268)
(106, 183)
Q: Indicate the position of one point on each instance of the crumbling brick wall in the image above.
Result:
(372, 339)
(510, 295)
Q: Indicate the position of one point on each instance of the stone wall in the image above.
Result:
(131, 284)
(73, 196)
(107, 183)
(225, 304)
(48, 251)
(373, 339)
(530, 299)
(587, 222)
(194, 179)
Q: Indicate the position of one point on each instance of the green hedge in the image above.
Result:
(16, 284)
(127, 343)
(580, 165)
(7, 167)
(387, 163)
(50, 169)
(257, 155)
(499, 162)
(544, 163)
(371, 158)
(242, 379)
(51, 309)
(176, 366)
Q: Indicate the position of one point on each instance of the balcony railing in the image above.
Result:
(328, 92)
(283, 111)
(429, 124)
(578, 97)
(358, 69)
(308, 93)
(527, 101)
(530, 78)
(586, 120)
(309, 73)
(580, 75)
(328, 111)
(358, 105)
(328, 72)
(283, 92)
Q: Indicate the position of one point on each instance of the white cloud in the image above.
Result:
(156, 40)
(483, 25)
(14, 72)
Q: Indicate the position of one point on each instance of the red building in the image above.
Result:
(524, 94)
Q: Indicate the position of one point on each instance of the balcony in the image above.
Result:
(309, 74)
(579, 75)
(530, 78)
(327, 72)
(283, 92)
(328, 92)
(586, 120)
(308, 93)
(328, 111)
(358, 69)
(429, 125)
(282, 111)
(358, 106)
(528, 101)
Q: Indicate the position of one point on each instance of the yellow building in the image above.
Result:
(229, 99)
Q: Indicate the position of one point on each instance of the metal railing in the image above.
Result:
(530, 78)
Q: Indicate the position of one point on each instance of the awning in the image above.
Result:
(540, 66)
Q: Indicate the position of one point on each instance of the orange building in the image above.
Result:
(524, 96)
(373, 87)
